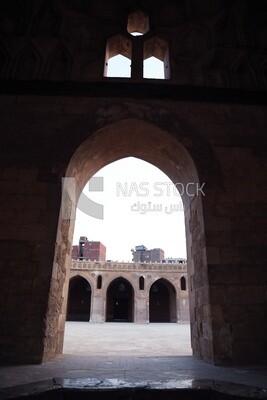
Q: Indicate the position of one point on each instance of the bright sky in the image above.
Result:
(141, 206)
(120, 66)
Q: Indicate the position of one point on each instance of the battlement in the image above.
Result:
(126, 266)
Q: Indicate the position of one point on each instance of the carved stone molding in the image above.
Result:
(103, 266)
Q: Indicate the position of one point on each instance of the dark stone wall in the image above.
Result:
(215, 43)
(54, 98)
(228, 282)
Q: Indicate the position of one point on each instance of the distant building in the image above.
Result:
(141, 254)
(171, 260)
(89, 250)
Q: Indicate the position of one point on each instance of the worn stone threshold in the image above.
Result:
(78, 388)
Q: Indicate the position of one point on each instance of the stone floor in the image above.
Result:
(127, 354)
(125, 339)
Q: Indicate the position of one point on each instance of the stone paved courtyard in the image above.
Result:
(124, 352)
(118, 339)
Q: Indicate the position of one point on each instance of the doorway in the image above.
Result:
(162, 148)
(79, 299)
(120, 301)
(162, 302)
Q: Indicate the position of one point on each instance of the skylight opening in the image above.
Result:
(136, 33)
(138, 23)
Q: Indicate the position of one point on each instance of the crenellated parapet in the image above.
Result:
(122, 266)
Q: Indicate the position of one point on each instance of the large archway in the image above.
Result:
(162, 302)
(120, 301)
(158, 143)
(79, 299)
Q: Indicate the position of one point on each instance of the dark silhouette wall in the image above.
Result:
(206, 124)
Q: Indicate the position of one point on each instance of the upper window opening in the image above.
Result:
(138, 23)
(118, 57)
(183, 283)
(137, 34)
(141, 283)
(119, 66)
(99, 282)
(119, 62)
(153, 68)
(156, 59)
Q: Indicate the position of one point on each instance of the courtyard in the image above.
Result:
(127, 339)
(126, 354)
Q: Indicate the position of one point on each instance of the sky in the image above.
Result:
(120, 66)
(141, 206)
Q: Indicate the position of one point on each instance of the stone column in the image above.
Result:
(184, 308)
(98, 308)
(178, 313)
(141, 310)
(137, 58)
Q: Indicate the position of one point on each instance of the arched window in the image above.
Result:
(118, 57)
(79, 299)
(183, 283)
(141, 283)
(156, 59)
(150, 57)
(99, 282)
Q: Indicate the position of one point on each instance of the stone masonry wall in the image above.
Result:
(229, 308)
(132, 272)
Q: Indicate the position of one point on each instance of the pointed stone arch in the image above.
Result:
(59, 64)
(29, 64)
(226, 30)
(4, 61)
(120, 301)
(79, 299)
(243, 74)
(109, 133)
(13, 18)
(118, 45)
(162, 301)
(214, 70)
(158, 48)
(47, 21)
